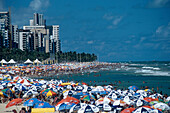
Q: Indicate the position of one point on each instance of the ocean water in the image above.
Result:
(151, 74)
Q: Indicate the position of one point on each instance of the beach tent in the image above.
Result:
(4, 61)
(11, 61)
(37, 61)
(28, 61)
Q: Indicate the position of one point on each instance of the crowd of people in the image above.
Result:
(78, 97)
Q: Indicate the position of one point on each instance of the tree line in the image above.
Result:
(21, 56)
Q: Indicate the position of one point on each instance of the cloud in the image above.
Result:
(108, 16)
(163, 31)
(37, 5)
(90, 42)
(117, 20)
(158, 3)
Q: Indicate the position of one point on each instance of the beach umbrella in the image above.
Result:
(2, 94)
(156, 111)
(80, 95)
(37, 88)
(1, 87)
(142, 110)
(31, 102)
(12, 61)
(112, 95)
(14, 102)
(79, 88)
(134, 88)
(49, 93)
(24, 82)
(141, 103)
(157, 95)
(154, 102)
(16, 78)
(98, 89)
(69, 87)
(43, 105)
(104, 100)
(88, 98)
(104, 107)
(3, 61)
(119, 103)
(76, 107)
(8, 91)
(68, 93)
(128, 110)
(64, 106)
(88, 109)
(69, 99)
(22, 88)
(149, 99)
(28, 61)
(162, 106)
(30, 93)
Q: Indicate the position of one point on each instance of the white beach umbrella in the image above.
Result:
(4, 61)
(104, 107)
(37, 61)
(88, 109)
(28, 61)
(30, 93)
(77, 107)
(162, 106)
(142, 110)
(11, 61)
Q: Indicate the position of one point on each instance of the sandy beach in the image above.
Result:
(9, 110)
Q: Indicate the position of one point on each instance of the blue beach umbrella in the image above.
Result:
(76, 107)
(134, 88)
(64, 106)
(43, 105)
(31, 102)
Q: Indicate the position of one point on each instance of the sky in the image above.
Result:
(114, 30)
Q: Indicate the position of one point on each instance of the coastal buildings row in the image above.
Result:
(36, 36)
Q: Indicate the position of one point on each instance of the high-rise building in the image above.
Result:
(6, 29)
(15, 36)
(56, 38)
(31, 22)
(24, 36)
(39, 33)
(38, 20)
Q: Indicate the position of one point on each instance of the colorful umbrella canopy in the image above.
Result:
(64, 106)
(31, 102)
(134, 88)
(88, 98)
(104, 100)
(2, 94)
(8, 91)
(128, 110)
(14, 102)
(149, 99)
(69, 99)
(49, 93)
(43, 105)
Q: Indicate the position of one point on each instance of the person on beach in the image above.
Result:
(14, 111)
(23, 110)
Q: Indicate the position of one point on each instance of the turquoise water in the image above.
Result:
(152, 74)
